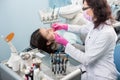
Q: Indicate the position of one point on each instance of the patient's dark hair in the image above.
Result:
(38, 41)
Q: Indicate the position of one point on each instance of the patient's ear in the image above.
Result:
(48, 43)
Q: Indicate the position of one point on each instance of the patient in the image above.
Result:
(43, 39)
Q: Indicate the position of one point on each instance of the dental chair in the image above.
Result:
(8, 74)
(117, 58)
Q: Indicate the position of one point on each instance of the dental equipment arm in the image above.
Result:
(72, 75)
(69, 12)
(49, 16)
(12, 47)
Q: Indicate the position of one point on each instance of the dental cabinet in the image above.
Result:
(45, 73)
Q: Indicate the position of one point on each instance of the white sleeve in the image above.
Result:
(83, 29)
(94, 52)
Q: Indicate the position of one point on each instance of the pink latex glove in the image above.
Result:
(59, 39)
(59, 26)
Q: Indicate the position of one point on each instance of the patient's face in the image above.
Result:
(47, 33)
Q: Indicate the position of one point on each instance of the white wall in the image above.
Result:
(22, 18)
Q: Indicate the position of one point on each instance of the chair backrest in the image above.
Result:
(117, 57)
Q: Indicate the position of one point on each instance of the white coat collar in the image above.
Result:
(108, 22)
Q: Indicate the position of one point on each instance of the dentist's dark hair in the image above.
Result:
(101, 11)
(38, 41)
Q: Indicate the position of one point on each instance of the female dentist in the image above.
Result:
(99, 44)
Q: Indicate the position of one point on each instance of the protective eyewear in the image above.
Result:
(85, 8)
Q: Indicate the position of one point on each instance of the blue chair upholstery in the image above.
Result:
(117, 58)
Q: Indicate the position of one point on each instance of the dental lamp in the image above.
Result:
(72, 13)
(14, 59)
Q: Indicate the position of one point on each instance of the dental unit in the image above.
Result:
(14, 60)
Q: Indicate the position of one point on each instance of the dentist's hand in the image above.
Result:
(59, 26)
(59, 39)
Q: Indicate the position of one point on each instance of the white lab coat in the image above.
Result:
(99, 48)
